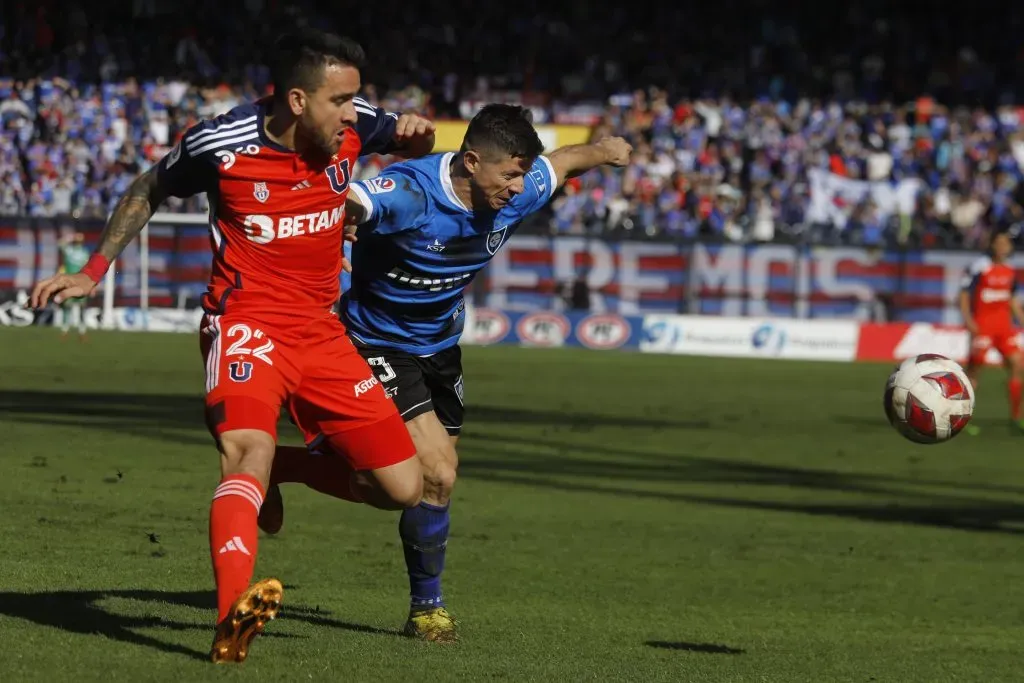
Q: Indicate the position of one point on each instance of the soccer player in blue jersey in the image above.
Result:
(425, 229)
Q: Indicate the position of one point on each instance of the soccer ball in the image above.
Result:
(928, 398)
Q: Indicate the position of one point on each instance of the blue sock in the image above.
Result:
(424, 532)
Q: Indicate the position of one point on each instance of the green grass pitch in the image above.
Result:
(618, 517)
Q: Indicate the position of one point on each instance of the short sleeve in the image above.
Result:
(971, 275)
(394, 202)
(538, 187)
(375, 127)
(184, 172)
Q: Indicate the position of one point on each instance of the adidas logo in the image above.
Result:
(234, 545)
(303, 185)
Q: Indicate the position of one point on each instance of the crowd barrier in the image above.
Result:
(696, 335)
(736, 337)
(533, 272)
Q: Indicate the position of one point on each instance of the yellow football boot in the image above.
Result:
(433, 624)
(250, 613)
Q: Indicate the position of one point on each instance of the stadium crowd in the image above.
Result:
(723, 144)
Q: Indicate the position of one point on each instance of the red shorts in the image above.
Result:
(1006, 342)
(253, 369)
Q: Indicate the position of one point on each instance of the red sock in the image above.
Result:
(236, 505)
(1015, 392)
(327, 473)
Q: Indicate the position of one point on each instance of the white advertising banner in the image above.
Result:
(834, 340)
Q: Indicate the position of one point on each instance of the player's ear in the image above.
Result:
(471, 159)
(297, 101)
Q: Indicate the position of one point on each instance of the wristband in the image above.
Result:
(96, 267)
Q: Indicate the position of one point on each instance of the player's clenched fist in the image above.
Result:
(62, 287)
(617, 150)
(412, 126)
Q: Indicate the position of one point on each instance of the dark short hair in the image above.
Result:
(503, 129)
(300, 56)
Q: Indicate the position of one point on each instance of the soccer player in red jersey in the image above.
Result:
(989, 305)
(277, 173)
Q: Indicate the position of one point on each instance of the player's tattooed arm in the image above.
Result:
(573, 160)
(131, 214)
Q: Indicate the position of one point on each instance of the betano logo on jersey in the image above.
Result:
(263, 229)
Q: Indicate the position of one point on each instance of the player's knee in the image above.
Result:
(440, 466)
(247, 451)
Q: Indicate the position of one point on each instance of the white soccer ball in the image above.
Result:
(929, 398)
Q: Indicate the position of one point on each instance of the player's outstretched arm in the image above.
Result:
(131, 214)
(573, 160)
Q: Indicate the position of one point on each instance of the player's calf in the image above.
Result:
(424, 530)
(1015, 383)
(246, 456)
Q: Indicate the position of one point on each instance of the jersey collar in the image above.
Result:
(446, 182)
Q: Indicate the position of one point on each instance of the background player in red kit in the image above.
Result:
(989, 305)
(277, 172)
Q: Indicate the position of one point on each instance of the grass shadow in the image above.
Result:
(81, 611)
(706, 648)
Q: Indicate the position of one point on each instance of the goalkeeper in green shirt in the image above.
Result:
(73, 257)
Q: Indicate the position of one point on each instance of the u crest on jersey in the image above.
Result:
(260, 192)
(240, 371)
(339, 174)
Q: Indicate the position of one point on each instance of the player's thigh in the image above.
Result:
(248, 376)
(401, 483)
(429, 400)
(1008, 346)
(443, 375)
(435, 450)
(341, 402)
(980, 344)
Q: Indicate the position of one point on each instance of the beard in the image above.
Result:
(322, 146)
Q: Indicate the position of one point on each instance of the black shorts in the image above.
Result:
(419, 384)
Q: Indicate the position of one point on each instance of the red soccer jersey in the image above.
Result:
(991, 286)
(276, 221)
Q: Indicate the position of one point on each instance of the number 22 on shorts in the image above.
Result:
(242, 334)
